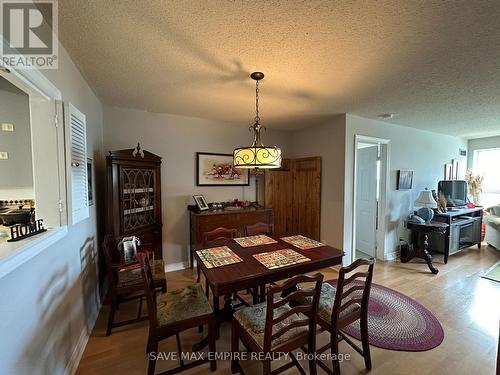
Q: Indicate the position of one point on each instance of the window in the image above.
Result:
(486, 164)
(77, 155)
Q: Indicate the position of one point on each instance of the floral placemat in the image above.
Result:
(260, 239)
(280, 258)
(218, 256)
(303, 243)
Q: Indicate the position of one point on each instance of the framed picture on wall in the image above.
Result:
(405, 180)
(456, 169)
(448, 171)
(217, 170)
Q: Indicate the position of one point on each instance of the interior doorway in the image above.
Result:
(370, 182)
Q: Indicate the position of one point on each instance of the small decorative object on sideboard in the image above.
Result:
(443, 203)
(405, 180)
(21, 231)
(201, 202)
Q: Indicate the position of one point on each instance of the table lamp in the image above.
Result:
(426, 201)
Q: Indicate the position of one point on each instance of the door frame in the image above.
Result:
(384, 194)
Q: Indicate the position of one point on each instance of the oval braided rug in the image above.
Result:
(397, 322)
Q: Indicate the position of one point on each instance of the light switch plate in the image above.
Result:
(4, 155)
(7, 127)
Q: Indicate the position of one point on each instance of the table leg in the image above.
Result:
(427, 256)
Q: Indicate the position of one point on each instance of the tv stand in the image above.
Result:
(464, 230)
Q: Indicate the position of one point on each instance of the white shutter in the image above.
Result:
(77, 164)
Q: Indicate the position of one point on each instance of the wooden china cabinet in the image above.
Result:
(133, 205)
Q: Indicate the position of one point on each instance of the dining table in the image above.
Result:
(250, 273)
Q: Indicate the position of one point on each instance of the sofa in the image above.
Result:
(492, 221)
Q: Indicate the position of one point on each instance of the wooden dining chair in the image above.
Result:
(259, 228)
(173, 312)
(342, 305)
(214, 236)
(125, 283)
(277, 327)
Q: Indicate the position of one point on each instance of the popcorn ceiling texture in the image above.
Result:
(433, 63)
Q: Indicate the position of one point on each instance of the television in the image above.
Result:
(455, 192)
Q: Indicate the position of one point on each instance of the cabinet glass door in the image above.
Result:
(138, 197)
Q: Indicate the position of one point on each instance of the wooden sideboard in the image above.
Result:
(205, 221)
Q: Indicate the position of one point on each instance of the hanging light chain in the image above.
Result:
(257, 118)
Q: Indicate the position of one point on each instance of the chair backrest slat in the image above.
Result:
(295, 324)
(220, 233)
(352, 290)
(301, 293)
(361, 281)
(310, 307)
(294, 310)
(259, 228)
(107, 246)
(357, 275)
(149, 289)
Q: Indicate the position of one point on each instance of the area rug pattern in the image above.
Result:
(397, 322)
(493, 273)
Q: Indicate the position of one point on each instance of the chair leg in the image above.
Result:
(112, 309)
(139, 309)
(179, 349)
(365, 342)
(152, 358)
(255, 295)
(311, 349)
(148, 344)
(334, 350)
(235, 347)
(211, 342)
(266, 367)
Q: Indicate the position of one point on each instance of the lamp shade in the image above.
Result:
(257, 157)
(425, 199)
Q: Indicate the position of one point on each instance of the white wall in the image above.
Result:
(177, 139)
(49, 304)
(16, 173)
(478, 144)
(423, 152)
(326, 140)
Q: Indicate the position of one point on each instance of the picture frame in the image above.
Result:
(201, 202)
(456, 169)
(214, 169)
(405, 180)
(448, 171)
(90, 191)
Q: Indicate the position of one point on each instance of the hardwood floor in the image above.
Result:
(467, 306)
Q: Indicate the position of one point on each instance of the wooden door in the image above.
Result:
(294, 194)
(279, 195)
(306, 205)
(366, 199)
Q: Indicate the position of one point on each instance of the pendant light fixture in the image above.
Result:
(257, 156)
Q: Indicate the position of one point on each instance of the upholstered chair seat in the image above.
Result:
(253, 320)
(133, 276)
(326, 301)
(182, 304)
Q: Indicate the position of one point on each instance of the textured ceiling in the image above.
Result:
(435, 64)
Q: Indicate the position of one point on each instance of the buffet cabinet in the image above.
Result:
(133, 206)
(206, 221)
